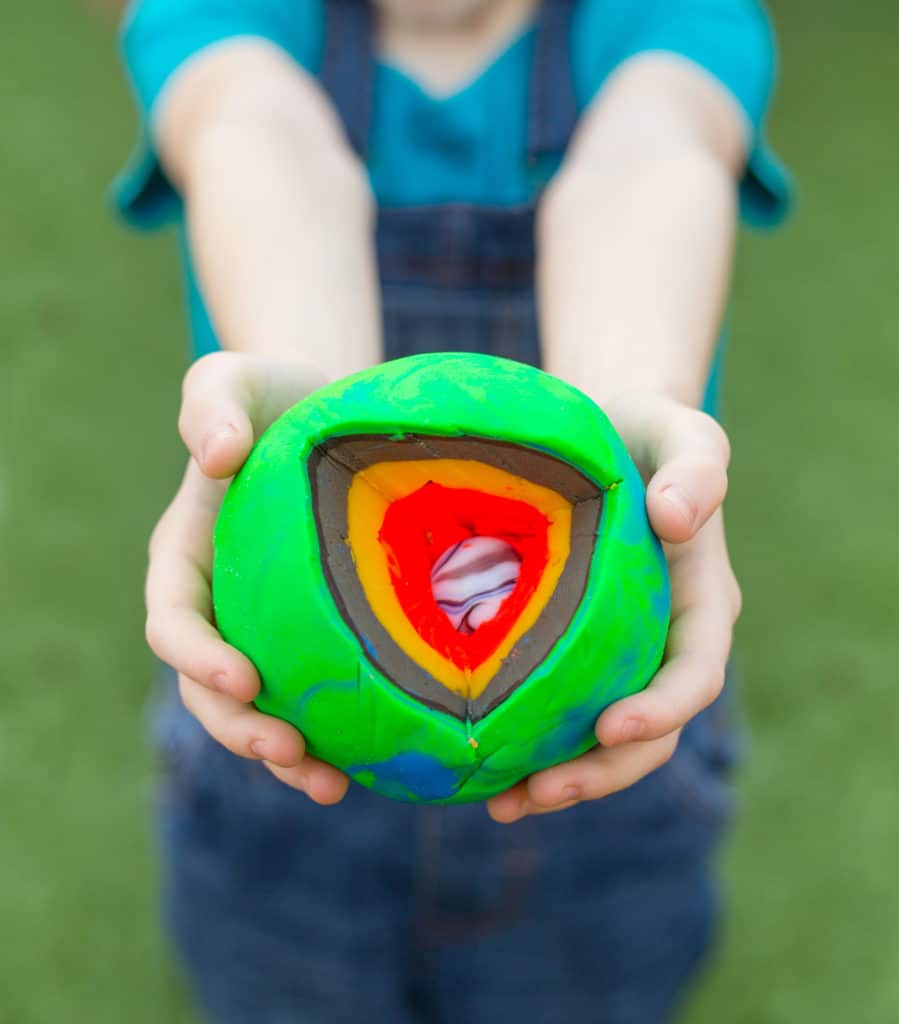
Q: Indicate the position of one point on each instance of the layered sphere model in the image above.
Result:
(443, 570)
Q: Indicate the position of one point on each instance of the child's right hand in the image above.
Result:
(228, 400)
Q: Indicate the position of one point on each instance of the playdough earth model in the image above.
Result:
(443, 570)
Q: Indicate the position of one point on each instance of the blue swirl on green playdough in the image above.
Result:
(369, 647)
(659, 602)
(326, 688)
(414, 774)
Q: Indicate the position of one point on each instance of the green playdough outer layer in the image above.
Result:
(273, 603)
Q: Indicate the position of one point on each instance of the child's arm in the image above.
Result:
(280, 223)
(278, 208)
(635, 241)
(636, 233)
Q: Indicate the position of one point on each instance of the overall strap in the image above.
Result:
(553, 111)
(348, 65)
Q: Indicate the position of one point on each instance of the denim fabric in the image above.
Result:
(288, 913)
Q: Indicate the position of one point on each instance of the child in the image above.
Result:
(354, 182)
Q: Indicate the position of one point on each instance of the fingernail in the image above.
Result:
(219, 681)
(257, 747)
(519, 810)
(632, 729)
(678, 499)
(571, 793)
(222, 433)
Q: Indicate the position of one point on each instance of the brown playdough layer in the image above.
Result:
(332, 466)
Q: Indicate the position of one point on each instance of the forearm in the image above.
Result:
(633, 275)
(635, 243)
(279, 218)
(282, 249)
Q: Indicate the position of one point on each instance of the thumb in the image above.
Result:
(685, 455)
(229, 399)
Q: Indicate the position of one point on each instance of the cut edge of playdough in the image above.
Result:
(356, 570)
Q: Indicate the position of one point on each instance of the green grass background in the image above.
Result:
(90, 362)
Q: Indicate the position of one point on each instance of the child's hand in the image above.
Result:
(228, 401)
(684, 454)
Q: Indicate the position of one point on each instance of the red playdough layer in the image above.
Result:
(419, 528)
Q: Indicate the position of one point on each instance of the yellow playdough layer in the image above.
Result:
(371, 492)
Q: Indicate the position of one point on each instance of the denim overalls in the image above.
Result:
(288, 913)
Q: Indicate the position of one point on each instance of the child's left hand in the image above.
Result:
(684, 454)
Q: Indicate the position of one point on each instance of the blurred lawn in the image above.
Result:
(90, 365)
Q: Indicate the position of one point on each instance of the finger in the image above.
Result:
(688, 682)
(691, 678)
(509, 805)
(514, 803)
(215, 424)
(705, 606)
(683, 452)
(240, 727)
(701, 574)
(229, 399)
(596, 774)
(531, 808)
(321, 782)
(690, 482)
(178, 594)
(184, 639)
(591, 776)
(685, 493)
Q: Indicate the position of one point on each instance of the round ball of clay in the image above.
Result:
(443, 570)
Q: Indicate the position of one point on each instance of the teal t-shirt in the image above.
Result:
(426, 149)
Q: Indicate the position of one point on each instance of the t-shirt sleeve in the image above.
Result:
(732, 40)
(158, 37)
